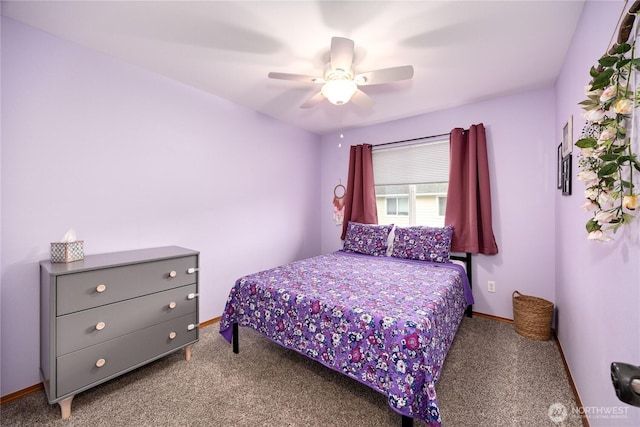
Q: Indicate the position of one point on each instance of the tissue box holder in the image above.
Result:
(67, 251)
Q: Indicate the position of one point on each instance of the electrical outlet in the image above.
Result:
(491, 286)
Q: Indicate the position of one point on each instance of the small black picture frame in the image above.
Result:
(566, 175)
(567, 138)
(559, 168)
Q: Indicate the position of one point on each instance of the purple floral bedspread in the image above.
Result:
(386, 322)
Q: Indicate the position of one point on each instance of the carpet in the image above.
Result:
(492, 376)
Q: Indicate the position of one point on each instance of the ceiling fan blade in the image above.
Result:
(363, 100)
(296, 77)
(341, 53)
(386, 75)
(313, 101)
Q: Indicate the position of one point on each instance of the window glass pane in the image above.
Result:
(391, 205)
(403, 206)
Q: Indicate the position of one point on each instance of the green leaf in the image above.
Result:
(607, 182)
(615, 225)
(608, 169)
(622, 63)
(623, 48)
(626, 183)
(589, 104)
(601, 84)
(636, 165)
(623, 159)
(619, 149)
(608, 61)
(592, 225)
(609, 157)
(604, 76)
(594, 72)
(586, 143)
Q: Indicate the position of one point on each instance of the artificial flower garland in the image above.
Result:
(607, 161)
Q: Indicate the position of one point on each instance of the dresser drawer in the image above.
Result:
(88, 289)
(89, 327)
(82, 368)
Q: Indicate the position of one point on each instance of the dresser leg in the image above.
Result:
(187, 350)
(65, 407)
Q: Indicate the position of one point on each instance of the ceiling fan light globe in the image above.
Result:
(340, 91)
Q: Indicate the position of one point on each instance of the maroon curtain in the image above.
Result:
(360, 199)
(469, 194)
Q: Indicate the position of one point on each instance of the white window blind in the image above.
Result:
(421, 163)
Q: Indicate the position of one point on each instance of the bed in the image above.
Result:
(384, 314)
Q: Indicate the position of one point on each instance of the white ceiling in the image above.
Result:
(462, 51)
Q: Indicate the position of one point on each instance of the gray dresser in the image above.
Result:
(111, 313)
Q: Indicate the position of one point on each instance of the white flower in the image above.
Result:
(605, 198)
(604, 217)
(590, 178)
(595, 116)
(607, 134)
(599, 152)
(591, 193)
(609, 93)
(622, 106)
(599, 236)
(589, 206)
(587, 152)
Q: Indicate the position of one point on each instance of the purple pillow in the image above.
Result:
(423, 243)
(369, 239)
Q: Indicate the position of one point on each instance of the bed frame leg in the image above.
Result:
(468, 262)
(407, 421)
(234, 338)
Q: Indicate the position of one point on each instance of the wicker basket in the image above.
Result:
(532, 316)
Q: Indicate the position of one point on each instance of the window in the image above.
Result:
(397, 205)
(412, 182)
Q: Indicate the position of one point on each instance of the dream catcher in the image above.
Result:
(338, 203)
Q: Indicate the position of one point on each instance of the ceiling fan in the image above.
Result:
(339, 81)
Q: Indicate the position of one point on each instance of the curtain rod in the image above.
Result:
(410, 140)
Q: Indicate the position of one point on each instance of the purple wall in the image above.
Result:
(131, 159)
(597, 285)
(520, 128)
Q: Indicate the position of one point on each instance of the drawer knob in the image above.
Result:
(191, 270)
(172, 335)
(172, 273)
(101, 288)
(172, 304)
(100, 326)
(100, 363)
